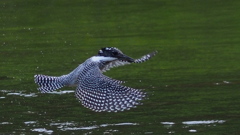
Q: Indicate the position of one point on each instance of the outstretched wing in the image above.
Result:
(145, 57)
(117, 63)
(100, 93)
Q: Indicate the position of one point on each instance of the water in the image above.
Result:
(50, 126)
(192, 83)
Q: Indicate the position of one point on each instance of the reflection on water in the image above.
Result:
(19, 93)
(30, 122)
(62, 92)
(51, 127)
(68, 126)
(203, 122)
(71, 126)
(23, 94)
(195, 122)
(5, 123)
(42, 130)
(192, 130)
(187, 124)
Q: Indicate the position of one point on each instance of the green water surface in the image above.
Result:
(193, 78)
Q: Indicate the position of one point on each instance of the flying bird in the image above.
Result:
(95, 90)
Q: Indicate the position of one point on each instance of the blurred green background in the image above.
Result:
(195, 75)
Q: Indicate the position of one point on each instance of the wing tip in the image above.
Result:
(145, 57)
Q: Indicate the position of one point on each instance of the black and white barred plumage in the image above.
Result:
(95, 90)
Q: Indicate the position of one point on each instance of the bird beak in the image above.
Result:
(124, 57)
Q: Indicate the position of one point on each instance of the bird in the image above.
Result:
(94, 90)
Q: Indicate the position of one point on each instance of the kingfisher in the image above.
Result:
(94, 90)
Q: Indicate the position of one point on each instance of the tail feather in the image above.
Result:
(48, 83)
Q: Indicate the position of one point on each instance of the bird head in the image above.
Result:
(114, 54)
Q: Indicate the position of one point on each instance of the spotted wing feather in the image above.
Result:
(145, 57)
(113, 64)
(118, 63)
(99, 93)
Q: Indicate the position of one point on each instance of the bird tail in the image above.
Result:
(48, 83)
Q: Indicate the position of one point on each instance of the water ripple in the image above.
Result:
(74, 126)
(187, 124)
(30, 122)
(65, 126)
(79, 128)
(203, 122)
(5, 123)
(23, 94)
(42, 130)
(62, 92)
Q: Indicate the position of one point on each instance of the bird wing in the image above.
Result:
(115, 63)
(100, 93)
(145, 57)
(118, 63)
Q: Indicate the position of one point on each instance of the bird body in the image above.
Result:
(95, 90)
